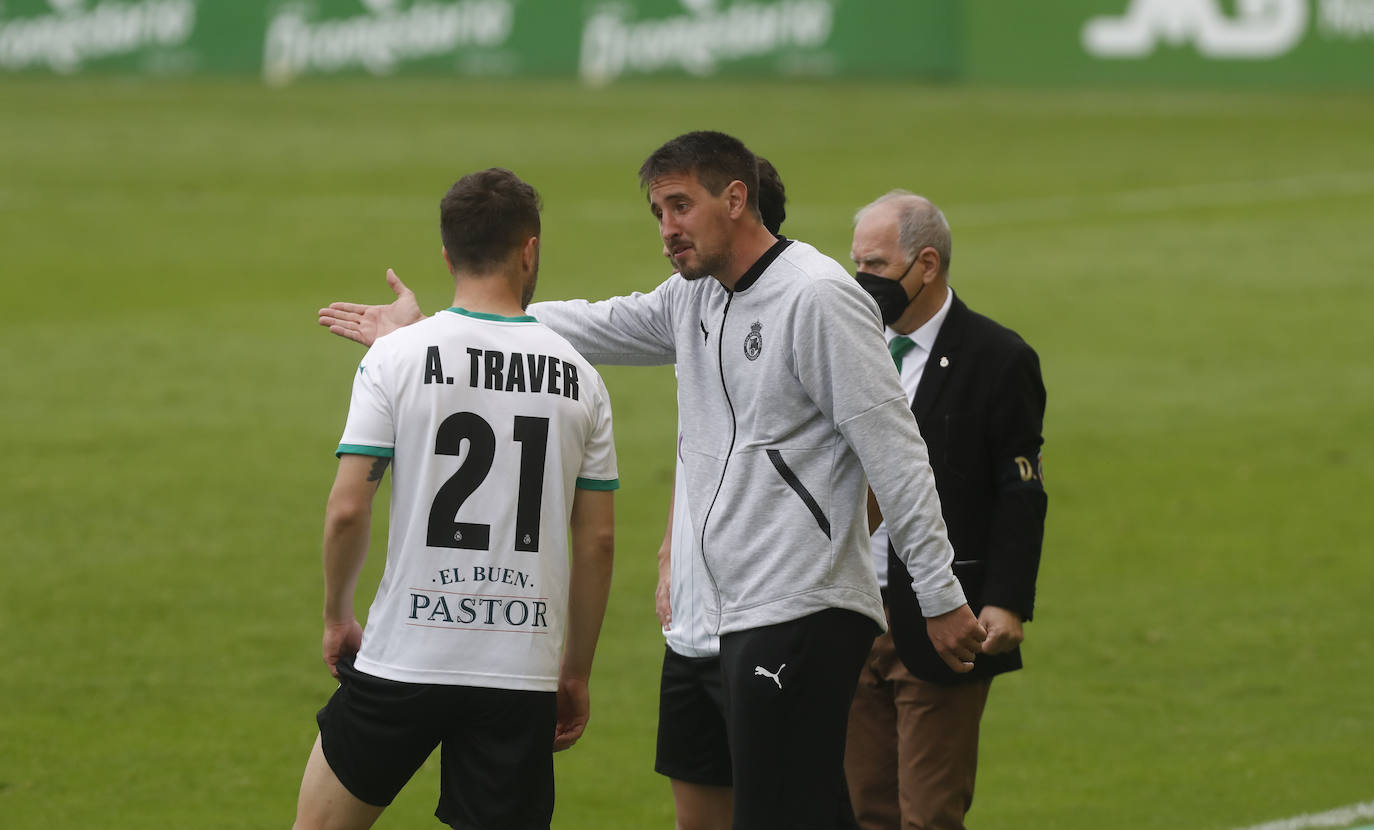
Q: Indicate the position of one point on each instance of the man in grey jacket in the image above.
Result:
(789, 407)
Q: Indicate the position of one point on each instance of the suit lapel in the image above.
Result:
(943, 359)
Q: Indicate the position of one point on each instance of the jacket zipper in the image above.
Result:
(734, 430)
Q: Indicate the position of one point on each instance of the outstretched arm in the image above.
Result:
(365, 323)
(593, 548)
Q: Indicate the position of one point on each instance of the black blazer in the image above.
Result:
(980, 406)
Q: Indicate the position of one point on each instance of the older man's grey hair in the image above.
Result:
(920, 224)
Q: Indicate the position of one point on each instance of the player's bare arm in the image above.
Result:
(663, 592)
(347, 528)
(365, 323)
(379, 466)
(593, 550)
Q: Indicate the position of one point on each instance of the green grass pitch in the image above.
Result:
(1196, 271)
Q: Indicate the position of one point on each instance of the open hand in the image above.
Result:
(365, 323)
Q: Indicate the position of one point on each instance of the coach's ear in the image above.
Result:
(736, 199)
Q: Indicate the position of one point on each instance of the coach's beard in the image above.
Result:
(705, 267)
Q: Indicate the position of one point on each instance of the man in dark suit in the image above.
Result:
(976, 391)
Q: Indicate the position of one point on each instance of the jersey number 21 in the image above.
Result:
(533, 435)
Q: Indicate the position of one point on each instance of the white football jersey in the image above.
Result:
(491, 423)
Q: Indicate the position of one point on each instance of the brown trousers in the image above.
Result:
(911, 753)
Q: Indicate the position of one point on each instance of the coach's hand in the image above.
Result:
(574, 710)
(341, 639)
(365, 323)
(957, 636)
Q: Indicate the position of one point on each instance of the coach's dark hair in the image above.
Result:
(772, 196)
(716, 158)
(485, 216)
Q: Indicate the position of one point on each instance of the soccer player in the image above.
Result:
(787, 402)
(481, 636)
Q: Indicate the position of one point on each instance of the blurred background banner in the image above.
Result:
(69, 36)
(597, 41)
(1177, 42)
(759, 39)
(285, 40)
(1193, 42)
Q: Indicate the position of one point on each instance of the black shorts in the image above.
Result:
(788, 688)
(692, 745)
(496, 761)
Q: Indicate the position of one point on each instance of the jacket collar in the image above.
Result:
(761, 264)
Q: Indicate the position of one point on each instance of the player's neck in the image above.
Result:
(488, 294)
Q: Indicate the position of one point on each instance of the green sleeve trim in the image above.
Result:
(359, 449)
(598, 484)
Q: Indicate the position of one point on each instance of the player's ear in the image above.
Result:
(448, 263)
(529, 252)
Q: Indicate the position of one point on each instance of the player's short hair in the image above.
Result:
(485, 216)
(715, 158)
(772, 196)
(920, 224)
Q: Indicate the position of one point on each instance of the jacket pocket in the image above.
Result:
(801, 491)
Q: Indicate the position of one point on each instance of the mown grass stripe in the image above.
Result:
(1339, 817)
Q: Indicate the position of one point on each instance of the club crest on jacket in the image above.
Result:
(753, 341)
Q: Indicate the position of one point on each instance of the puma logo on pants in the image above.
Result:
(773, 675)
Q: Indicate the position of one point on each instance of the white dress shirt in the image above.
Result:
(913, 367)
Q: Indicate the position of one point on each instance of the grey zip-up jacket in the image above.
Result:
(786, 396)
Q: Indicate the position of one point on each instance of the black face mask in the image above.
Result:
(889, 294)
